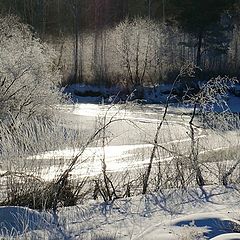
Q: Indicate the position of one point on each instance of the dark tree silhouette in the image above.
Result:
(197, 17)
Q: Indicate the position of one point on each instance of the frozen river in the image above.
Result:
(128, 139)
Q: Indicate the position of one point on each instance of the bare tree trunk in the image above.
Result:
(145, 60)
(126, 57)
(81, 56)
(149, 8)
(164, 10)
(137, 78)
(99, 56)
(199, 49)
(44, 17)
(194, 151)
(225, 177)
(236, 45)
(76, 42)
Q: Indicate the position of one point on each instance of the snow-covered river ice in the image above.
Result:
(169, 214)
(128, 139)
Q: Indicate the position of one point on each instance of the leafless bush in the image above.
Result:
(28, 79)
(36, 193)
(28, 73)
(135, 52)
(186, 70)
(135, 44)
(28, 122)
(210, 96)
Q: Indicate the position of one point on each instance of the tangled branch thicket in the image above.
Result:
(29, 93)
(28, 80)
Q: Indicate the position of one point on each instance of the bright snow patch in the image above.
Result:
(227, 236)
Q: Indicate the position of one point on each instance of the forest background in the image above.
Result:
(133, 43)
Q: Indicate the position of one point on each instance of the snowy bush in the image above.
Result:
(135, 52)
(28, 80)
(28, 77)
(29, 124)
(135, 44)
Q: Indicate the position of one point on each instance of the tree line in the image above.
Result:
(204, 32)
(57, 16)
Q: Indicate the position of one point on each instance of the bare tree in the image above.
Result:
(135, 44)
(187, 70)
(210, 96)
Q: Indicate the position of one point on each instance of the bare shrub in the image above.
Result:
(135, 44)
(135, 52)
(28, 79)
(186, 70)
(28, 121)
(210, 96)
(28, 73)
(36, 193)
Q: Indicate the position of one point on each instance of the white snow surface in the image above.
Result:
(208, 213)
(156, 94)
(228, 236)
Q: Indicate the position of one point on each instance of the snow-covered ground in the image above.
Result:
(211, 212)
(158, 94)
(208, 213)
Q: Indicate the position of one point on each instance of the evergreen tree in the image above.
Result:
(199, 17)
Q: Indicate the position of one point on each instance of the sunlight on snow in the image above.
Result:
(118, 158)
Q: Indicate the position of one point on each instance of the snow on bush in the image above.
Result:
(136, 51)
(28, 120)
(135, 44)
(28, 77)
(28, 89)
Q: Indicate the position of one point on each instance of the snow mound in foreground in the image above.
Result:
(214, 224)
(18, 220)
(194, 226)
(227, 236)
